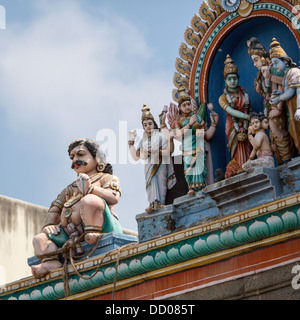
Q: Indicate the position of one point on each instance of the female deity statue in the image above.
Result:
(188, 126)
(155, 149)
(235, 101)
(268, 80)
(291, 88)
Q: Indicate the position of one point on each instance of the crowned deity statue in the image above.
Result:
(83, 210)
(187, 125)
(236, 103)
(155, 149)
(268, 80)
(290, 92)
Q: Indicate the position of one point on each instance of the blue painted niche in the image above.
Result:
(235, 44)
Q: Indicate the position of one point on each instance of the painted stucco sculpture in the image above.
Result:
(155, 149)
(260, 143)
(256, 236)
(187, 124)
(291, 88)
(84, 209)
(268, 80)
(236, 103)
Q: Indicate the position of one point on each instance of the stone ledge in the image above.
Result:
(262, 226)
(227, 197)
(246, 190)
(108, 242)
(185, 212)
(290, 176)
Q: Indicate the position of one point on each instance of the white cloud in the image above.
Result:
(67, 66)
(68, 74)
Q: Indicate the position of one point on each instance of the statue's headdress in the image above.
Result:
(146, 114)
(183, 95)
(256, 48)
(276, 50)
(230, 67)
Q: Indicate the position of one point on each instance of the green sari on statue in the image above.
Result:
(193, 151)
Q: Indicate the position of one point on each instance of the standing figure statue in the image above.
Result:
(268, 80)
(84, 208)
(235, 101)
(188, 125)
(291, 88)
(155, 149)
(260, 143)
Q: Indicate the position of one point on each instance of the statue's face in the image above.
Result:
(278, 65)
(257, 61)
(186, 107)
(265, 124)
(256, 124)
(82, 160)
(232, 81)
(148, 126)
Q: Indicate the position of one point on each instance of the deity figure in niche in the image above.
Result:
(236, 103)
(84, 208)
(187, 125)
(260, 142)
(291, 88)
(155, 149)
(268, 80)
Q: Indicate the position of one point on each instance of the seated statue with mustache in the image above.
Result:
(84, 207)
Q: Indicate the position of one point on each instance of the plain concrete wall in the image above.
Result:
(19, 223)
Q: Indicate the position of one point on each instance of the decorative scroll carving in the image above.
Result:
(183, 67)
(180, 80)
(198, 25)
(216, 6)
(191, 37)
(186, 53)
(206, 13)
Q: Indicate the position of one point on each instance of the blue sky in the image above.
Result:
(76, 68)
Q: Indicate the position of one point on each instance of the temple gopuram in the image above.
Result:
(238, 236)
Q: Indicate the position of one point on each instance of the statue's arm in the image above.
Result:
(255, 142)
(111, 198)
(252, 154)
(287, 95)
(52, 221)
(54, 212)
(235, 113)
(214, 118)
(135, 154)
(110, 190)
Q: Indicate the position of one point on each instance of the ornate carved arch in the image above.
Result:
(216, 19)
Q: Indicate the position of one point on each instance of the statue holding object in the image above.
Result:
(155, 149)
(268, 80)
(189, 127)
(260, 143)
(84, 209)
(236, 103)
(291, 88)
